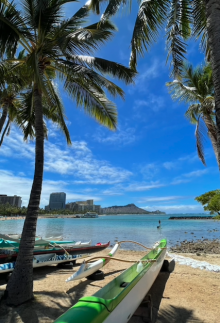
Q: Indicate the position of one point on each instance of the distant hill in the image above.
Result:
(127, 209)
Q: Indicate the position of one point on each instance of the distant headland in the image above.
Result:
(127, 209)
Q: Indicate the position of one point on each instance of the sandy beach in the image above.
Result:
(185, 295)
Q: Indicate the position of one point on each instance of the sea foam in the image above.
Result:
(194, 263)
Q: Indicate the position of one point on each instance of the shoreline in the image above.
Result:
(73, 216)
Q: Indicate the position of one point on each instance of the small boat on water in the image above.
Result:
(118, 300)
(43, 260)
(90, 215)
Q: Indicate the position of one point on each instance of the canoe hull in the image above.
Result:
(44, 262)
(72, 251)
(117, 301)
(126, 308)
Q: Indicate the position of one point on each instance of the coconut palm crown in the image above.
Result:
(196, 88)
(54, 45)
(181, 20)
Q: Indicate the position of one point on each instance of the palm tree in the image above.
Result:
(181, 20)
(61, 46)
(196, 88)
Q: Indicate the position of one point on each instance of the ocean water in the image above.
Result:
(140, 228)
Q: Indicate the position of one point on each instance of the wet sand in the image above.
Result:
(185, 295)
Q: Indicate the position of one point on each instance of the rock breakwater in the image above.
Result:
(198, 247)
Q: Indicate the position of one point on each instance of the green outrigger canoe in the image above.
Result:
(118, 300)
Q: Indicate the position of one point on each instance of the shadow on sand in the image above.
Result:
(46, 306)
(149, 311)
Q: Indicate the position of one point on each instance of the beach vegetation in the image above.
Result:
(181, 20)
(10, 211)
(210, 202)
(195, 87)
(57, 53)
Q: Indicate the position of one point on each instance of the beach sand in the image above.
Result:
(186, 295)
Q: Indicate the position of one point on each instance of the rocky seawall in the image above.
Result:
(198, 247)
(191, 218)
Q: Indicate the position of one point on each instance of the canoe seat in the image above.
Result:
(124, 284)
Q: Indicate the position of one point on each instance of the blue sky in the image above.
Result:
(150, 160)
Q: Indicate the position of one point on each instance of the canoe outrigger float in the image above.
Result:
(87, 269)
(118, 300)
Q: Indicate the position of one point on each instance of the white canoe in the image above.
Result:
(59, 238)
(117, 301)
(87, 269)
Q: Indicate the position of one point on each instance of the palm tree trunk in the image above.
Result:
(3, 117)
(20, 285)
(213, 27)
(212, 132)
(4, 132)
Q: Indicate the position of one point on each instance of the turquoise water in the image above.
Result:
(141, 228)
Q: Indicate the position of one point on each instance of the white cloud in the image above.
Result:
(150, 71)
(15, 146)
(160, 198)
(191, 158)
(112, 192)
(12, 184)
(139, 187)
(196, 173)
(77, 161)
(121, 137)
(169, 165)
(153, 102)
(175, 209)
(187, 177)
(149, 170)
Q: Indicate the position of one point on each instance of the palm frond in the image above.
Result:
(82, 13)
(200, 25)
(181, 92)
(106, 67)
(94, 103)
(178, 31)
(111, 9)
(12, 29)
(193, 113)
(195, 84)
(42, 15)
(72, 71)
(85, 40)
(56, 111)
(150, 18)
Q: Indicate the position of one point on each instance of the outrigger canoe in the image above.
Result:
(87, 269)
(43, 260)
(8, 251)
(118, 300)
